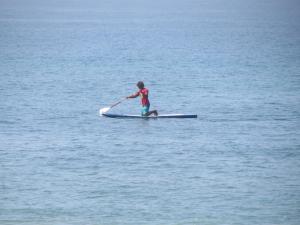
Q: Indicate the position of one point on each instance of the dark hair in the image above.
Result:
(140, 85)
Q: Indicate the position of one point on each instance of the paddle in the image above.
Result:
(105, 110)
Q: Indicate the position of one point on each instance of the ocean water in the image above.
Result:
(234, 63)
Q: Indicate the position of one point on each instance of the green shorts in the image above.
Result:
(145, 109)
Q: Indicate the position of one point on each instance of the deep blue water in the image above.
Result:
(234, 63)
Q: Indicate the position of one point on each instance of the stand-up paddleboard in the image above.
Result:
(179, 116)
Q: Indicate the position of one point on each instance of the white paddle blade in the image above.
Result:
(104, 110)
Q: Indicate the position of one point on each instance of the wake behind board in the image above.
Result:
(179, 116)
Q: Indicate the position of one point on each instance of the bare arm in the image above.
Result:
(134, 95)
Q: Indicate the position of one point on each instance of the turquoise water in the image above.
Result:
(234, 63)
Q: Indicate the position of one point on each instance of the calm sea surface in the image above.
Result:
(234, 63)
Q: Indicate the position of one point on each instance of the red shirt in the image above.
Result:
(144, 96)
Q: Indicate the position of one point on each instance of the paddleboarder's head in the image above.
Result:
(140, 85)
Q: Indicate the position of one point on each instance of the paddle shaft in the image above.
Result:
(117, 103)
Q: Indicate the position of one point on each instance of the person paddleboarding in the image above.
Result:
(144, 93)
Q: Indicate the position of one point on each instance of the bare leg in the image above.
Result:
(152, 112)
